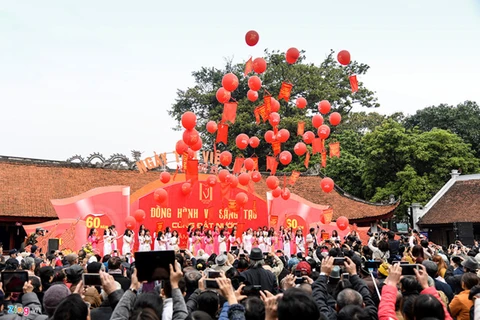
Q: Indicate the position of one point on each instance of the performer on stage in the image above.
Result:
(208, 242)
(174, 240)
(268, 241)
(233, 240)
(300, 241)
(216, 233)
(222, 242)
(141, 239)
(168, 236)
(114, 237)
(161, 242)
(197, 242)
(261, 241)
(107, 241)
(287, 237)
(248, 240)
(148, 241)
(190, 235)
(127, 242)
(93, 239)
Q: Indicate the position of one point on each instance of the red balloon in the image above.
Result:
(190, 137)
(222, 175)
(241, 198)
(252, 37)
(317, 120)
(189, 120)
(212, 180)
(242, 141)
(335, 118)
(230, 82)
(197, 146)
(139, 215)
(254, 83)
(324, 131)
(269, 136)
(244, 178)
(283, 135)
(274, 119)
(249, 164)
(252, 95)
(272, 182)
(186, 188)
(233, 181)
(211, 126)
(223, 96)
(276, 192)
(254, 142)
(292, 55)
(256, 176)
(181, 147)
(300, 149)
(130, 222)
(274, 105)
(301, 103)
(286, 194)
(259, 65)
(324, 107)
(225, 158)
(342, 223)
(308, 137)
(327, 184)
(165, 177)
(343, 57)
(285, 157)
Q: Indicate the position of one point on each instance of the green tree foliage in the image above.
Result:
(463, 119)
(327, 81)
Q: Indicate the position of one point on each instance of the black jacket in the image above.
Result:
(124, 282)
(105, 310)
(262, 277)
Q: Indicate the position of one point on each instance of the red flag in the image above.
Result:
(307, 159)
(267, 102)
(317, 145)
(229, 112)
(334, 149)
(255, 160)
(354, 83)
(238, 164)
(300, 128)
(184, 161)
(260, 111)
(256, 112)
(248, 66)
(272, 164)
(222, 133)
(192, 171)
(294, 177)
(285, 91)
(324, 159)
(277, 147)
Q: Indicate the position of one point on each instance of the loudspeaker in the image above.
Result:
(464, 232)
(53, 244)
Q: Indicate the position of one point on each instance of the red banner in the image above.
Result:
(354, 83)
(334, 149)
(300, 128)
(229, 112)
(285, 91)
(222, 133)
(248, 67)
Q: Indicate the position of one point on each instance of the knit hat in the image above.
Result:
(53, 296)
(221, 260)
(304, 267)
(74, 273)
(94, 267)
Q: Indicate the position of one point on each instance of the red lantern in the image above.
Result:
(317, 120)
(222, 175)
(165, 177)
(285, 157)
(283, 135)
(343, 57)
(274, 119)
(230, 82)
(244, 178)
(324, 107)
(272, 182)
(160, 195)
(181, 147)
(254, 142)
(186, 188)
(342, 223)
(225, 158)
(252, 95)
(335, 118)
(327, 184)
(233, 181)
(189, 120)
(254, 83)
(241, 198)
(211, 126)
(259, 65)
(139, 215)
(212, 180)
(301, 103)
(242, 141)
(130, 222)
(197, 146)
(274, 105)
(308, 137)
(223, 96)
(256, 176)
(276, 192)
(249, 164)
(300, 149)
(190, 137)
(269, 136)
(286, 194)
(252, 37)
(324, 131)
(292, 55)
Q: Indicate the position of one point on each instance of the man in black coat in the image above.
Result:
(432, 271)
(257, 275)
(114, 269)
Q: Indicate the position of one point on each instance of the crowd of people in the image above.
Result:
(263, 274)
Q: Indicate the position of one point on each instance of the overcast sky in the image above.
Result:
(86, 76)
